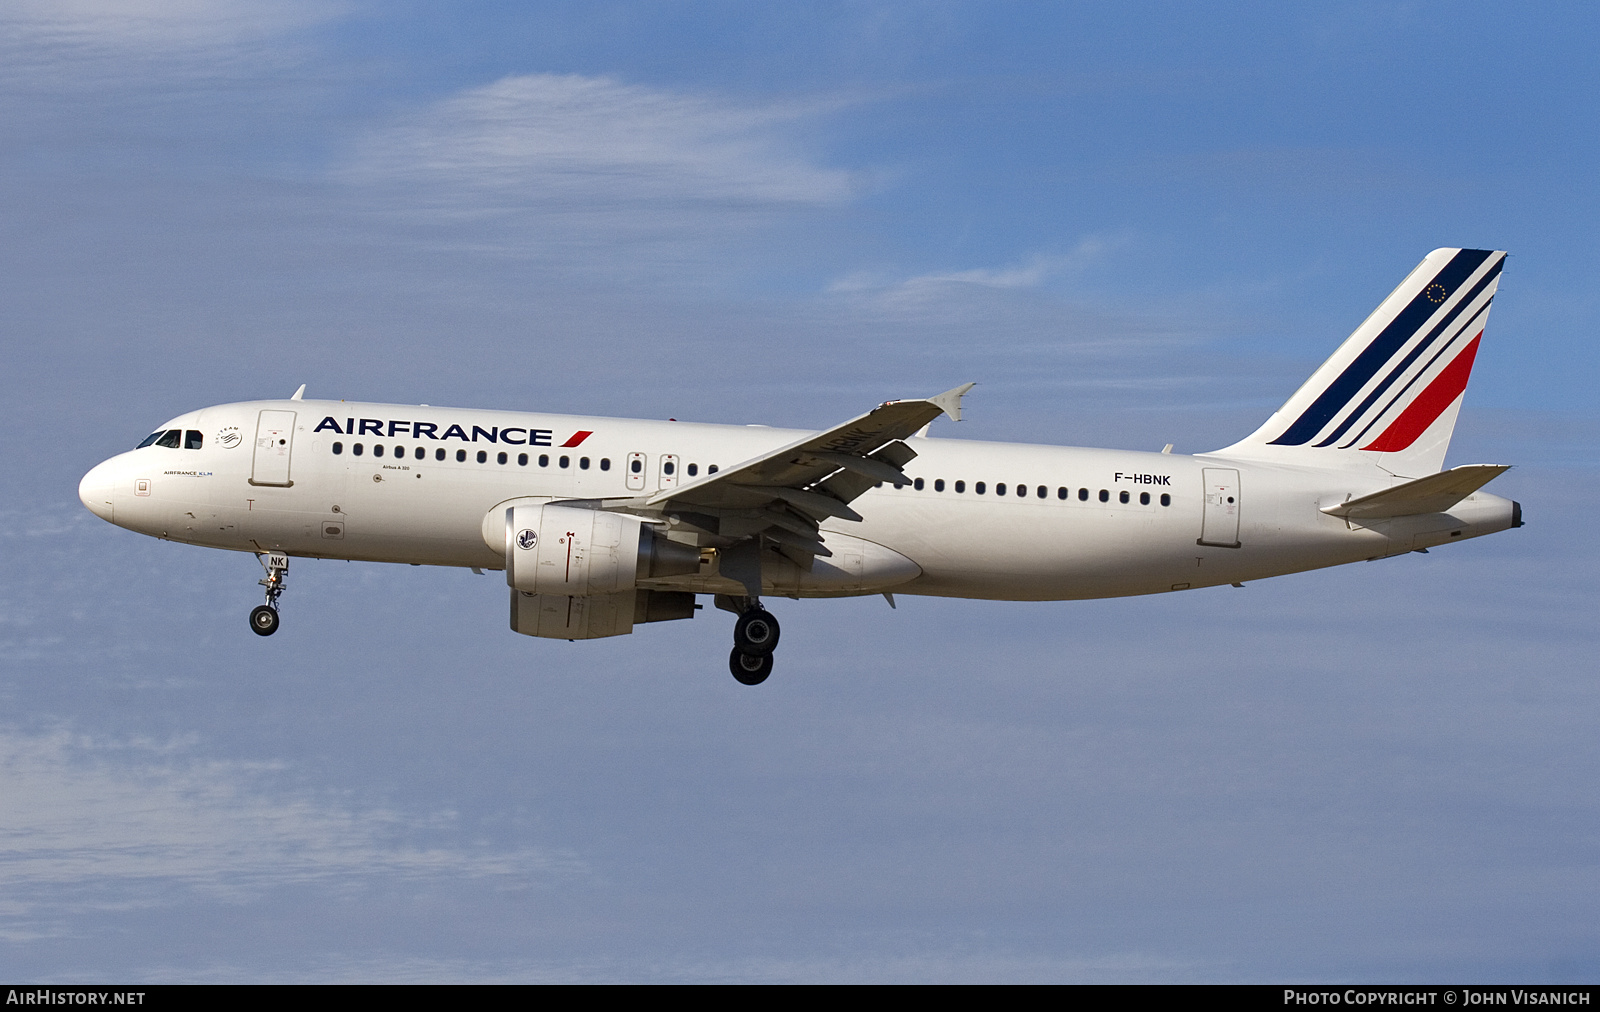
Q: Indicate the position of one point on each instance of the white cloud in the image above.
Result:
(1027, 305)
(1030, 273)
(79, 43)
(113, 825)
(599, 148)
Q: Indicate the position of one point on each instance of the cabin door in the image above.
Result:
(274, 441)
(1220, 525)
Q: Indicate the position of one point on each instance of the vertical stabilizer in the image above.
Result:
(1391, 393)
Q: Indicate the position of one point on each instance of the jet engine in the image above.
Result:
(573, 572)
(576, 552)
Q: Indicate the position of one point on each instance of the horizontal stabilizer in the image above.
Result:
(1434, 494)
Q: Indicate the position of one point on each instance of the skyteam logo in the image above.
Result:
(229, 438)
(526, 538)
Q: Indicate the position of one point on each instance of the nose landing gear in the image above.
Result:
(755, 635)
(264, 617)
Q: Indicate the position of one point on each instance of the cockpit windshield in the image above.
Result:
(190, 439)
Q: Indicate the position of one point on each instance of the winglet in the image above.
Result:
(299, 394)
(950, 401)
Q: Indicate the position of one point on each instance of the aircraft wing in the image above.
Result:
(787, 492)
(1434, 494)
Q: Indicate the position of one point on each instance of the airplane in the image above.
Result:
(603, 524)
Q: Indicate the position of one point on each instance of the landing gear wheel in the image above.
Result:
(756, 632)
(749, 669)
(264, 620)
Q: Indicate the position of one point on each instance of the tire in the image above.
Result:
(749, 669)
(756, 632)
(264, 620)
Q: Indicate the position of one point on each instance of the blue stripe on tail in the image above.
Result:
(1414, 354)
(1366, 365)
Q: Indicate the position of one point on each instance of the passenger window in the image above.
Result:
(712, 469)
(400, 453)
(694, 469)
(978, 488)
(565, 461)
(170, 438)
(1061, 493)
(377, 449)
(1122, 497)
(1083, 495)
(1105, 496)
(999, 489)
(522, 460)
(583, 463)
(1144, 498)
(421, 453)
(461, 456)
(938, 484)
(483, 456)
(338, 448)
(192, 439)
(501, 457)
(150, 439)
(1166, 500)
(917, 484)
(358, 449)
(1044, 493)
(668, 467)
(544, 460)
(636, 465)
(605, 465)
(438, 454)
(961, 486)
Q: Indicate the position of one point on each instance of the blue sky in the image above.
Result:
(1131, 226)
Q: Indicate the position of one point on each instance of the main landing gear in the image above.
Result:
(755, 635)
(264, 617)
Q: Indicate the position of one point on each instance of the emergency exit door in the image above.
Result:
(668, 478)
(274, 442)
(1219, 526)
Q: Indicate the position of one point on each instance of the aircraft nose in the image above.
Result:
(95, 490)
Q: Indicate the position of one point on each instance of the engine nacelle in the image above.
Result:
(573, 572)
(568, 551)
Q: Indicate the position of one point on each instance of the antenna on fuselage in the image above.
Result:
(299, 394)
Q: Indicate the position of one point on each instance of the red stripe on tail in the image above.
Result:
(1429, 405)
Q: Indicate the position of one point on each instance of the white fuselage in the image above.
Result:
(405, 484)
